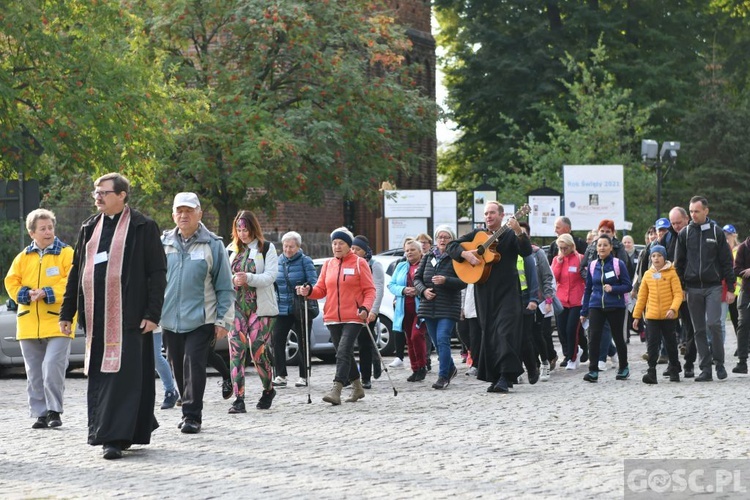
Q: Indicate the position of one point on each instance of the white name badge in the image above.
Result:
(197, 255)
(609, 274)
(253, 253)
(433, 262)
(100, 257)
(348, 271)
(705, 227)
(573, 269)
(656, 276)
(53, 271)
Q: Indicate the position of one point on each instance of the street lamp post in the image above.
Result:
(652, 156)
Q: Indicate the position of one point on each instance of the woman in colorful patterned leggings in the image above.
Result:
(254, 268)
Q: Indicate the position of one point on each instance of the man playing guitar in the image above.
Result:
(498, 299)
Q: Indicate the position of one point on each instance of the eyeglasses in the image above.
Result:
(441, 237)
(100, 194)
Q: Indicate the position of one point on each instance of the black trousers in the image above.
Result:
(616, 318)
(188, 355)
(528, 351)
(545, 350)
(688, 333)
(280, 331)
(656, 329)
(366, 352)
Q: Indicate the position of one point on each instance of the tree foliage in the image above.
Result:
(301, 97)
(505, 66)
(79, 91)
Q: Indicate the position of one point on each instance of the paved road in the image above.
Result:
(563, 438)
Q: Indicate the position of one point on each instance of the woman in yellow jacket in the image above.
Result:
(660, 295)
(36, 281)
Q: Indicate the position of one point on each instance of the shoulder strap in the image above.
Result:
(266, 247)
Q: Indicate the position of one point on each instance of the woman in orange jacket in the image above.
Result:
(346, 283)
(660, 295)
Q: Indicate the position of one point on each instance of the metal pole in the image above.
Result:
(21, 215)
(658, 189)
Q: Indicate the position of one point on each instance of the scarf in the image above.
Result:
(112, 293)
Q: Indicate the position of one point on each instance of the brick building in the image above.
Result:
(316, 223)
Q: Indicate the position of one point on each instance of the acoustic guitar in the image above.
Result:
(484, 244)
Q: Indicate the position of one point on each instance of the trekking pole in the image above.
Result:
(306, 333)
(385, 368)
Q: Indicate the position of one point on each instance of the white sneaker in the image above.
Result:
(301, 383)
(472, 372)
(521, 379)
(279, 382)
(544, 372)
(397, 363)
(602, 366)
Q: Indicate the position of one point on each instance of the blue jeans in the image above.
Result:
(440, 330)
(162, 366)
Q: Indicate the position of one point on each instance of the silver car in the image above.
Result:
(10, 348)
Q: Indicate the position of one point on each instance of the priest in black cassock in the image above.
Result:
(498, 300)
(116, 286)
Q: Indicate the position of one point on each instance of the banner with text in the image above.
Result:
(593, 193)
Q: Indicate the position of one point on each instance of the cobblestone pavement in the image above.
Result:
(559, 439)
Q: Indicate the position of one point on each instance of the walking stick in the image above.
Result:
(385, 368)
(306, 333)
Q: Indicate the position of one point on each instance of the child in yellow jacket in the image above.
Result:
(660, 296)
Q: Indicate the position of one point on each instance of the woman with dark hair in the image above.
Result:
(607, 284)
(346, 283)
(254, 267)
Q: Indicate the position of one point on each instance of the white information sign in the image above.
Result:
(400, 229)
(480, 198)
(544, 211)
(445, 209)
(593, 193)
(408, 203)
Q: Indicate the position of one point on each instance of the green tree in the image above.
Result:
(303, 97)
(714, 159)
(503, 68)
(79, 90)
(606, 129)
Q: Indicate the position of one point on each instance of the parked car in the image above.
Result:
(10, 348)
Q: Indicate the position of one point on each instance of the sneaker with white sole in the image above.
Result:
(301, 383)
(520, 379)
(397, 363)
(544, 372)
(602, 366)
(471, 372)
(279, 382)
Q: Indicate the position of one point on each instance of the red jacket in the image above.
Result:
(570, 285)
(347, 285)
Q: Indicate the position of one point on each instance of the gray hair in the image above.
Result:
(35, 215)
(413, 243)
(292, 235)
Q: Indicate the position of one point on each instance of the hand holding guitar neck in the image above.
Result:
(479, 254)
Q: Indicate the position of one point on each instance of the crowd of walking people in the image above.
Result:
(131, 287)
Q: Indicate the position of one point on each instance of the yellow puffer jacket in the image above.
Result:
(39, 319)
(659, 295)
